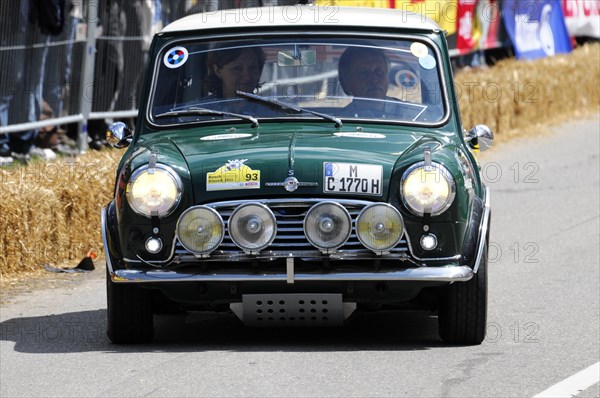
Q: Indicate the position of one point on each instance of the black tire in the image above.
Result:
(129, 310)
(462, 312)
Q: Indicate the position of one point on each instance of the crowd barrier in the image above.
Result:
(86, 71)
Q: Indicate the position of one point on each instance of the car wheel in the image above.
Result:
(129, 310)
(462, 312)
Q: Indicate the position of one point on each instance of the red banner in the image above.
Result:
(582, 17)
(467, 35)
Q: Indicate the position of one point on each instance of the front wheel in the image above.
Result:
(130, 316)
(462, 314)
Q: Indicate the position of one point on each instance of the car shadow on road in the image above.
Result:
(85, 331)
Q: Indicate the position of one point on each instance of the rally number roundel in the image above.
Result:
(175, 57)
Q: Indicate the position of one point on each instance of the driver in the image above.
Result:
(363, 72)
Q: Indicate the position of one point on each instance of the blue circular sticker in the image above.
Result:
(427, 62)
(175, 57)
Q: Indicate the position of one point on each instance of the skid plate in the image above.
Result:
(292, 309)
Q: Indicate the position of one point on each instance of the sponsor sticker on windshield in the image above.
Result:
(176, 57)
(427, 62)
(418, 49)
(235, 174)
(350, 178)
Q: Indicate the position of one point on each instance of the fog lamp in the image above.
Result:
(379, 227)
(252, 227)
(200, 229)
(327, 226)
(429, 242)
(154, 245)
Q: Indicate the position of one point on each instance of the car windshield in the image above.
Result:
(325, 79)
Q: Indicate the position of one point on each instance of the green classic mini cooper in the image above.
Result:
(294, 166)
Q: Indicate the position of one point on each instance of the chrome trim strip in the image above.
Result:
(105, 241)
(271, 255)
(289, 202)
(425, 274)
(483, 229)
(310, 253)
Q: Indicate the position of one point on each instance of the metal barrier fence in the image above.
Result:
(40, 71)
(87, 72)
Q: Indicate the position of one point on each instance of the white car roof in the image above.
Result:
(304, 16)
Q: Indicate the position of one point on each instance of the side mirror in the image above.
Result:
(480, 136)
(118, 135)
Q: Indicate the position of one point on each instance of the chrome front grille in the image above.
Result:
(290, 236)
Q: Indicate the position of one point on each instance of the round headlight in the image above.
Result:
(379, 227)
(427, 189)
(200, 229)
(327, 225)
(252, 227)
(154, 191)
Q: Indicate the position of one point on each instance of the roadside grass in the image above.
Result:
(50, 212)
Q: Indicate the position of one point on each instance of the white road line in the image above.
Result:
(575, 384)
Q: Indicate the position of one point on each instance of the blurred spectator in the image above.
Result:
(57, 79)
(29, 76)
(49, 16)
(138, 28)
(119, 60)
(108, 67)
(14, 17)
(60, 56)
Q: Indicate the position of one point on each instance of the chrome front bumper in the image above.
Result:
(425, 274)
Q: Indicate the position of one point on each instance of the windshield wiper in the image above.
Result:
(204, 112)
(288, 107)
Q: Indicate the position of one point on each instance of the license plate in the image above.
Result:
(350, 178)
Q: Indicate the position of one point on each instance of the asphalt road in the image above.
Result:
(543, 314)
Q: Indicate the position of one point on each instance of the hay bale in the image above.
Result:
(50, 212)
(515, 97)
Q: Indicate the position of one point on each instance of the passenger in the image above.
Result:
(232, 70)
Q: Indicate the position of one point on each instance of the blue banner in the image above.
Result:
(536, 27)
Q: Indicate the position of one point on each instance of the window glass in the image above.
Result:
(397, 80)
